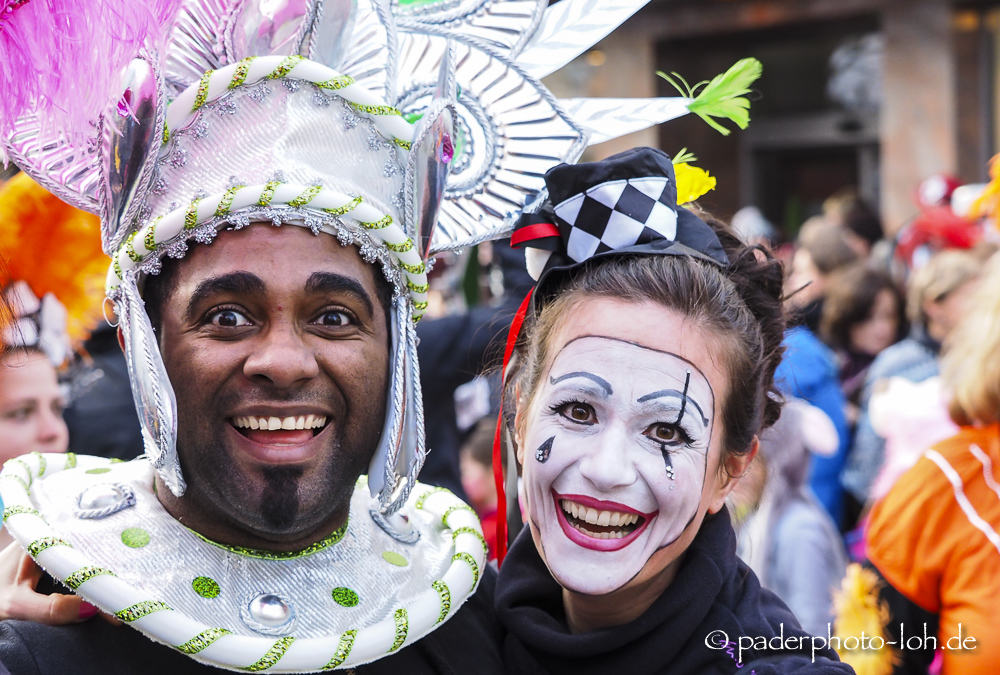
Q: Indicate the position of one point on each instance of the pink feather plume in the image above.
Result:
(62, 60)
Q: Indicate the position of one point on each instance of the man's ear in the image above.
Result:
(733, 468)
(121, 339)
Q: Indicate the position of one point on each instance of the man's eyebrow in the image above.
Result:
(673, 393)
(237, 283)
(331, 283)
(601, 382)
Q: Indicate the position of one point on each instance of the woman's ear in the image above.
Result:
(732, 469)
(519, 414)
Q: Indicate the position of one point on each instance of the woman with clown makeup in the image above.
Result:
(641, 377)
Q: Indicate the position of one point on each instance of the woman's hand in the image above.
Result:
(19, 576)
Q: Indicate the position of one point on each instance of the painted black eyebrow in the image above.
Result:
(673, 393)
(601, 382)
(237, 283)
(331, 283)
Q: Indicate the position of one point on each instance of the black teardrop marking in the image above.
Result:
(542, 453)
(666, 461)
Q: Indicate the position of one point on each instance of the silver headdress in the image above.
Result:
(403, 127)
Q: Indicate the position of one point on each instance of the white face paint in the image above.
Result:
(615, 456)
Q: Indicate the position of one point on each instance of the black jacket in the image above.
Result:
(714, 591)
(466, 643)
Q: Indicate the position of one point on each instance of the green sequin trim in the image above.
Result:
(135, 537)
(335, 537)
(452, 509)
(166, 133)
(84, 574)
(306, 196)
(206, 587)
(149, 240)
(375, 109)
(240, 74)
(227, 200)
(442, 589)
(273, 655)
(285, 67)
(41, 463)
(346, 208)
(423, 498)
(417, 288)
(141, 609)
(420, 305)
(191, 215)
(400, 248)
(39, 545)
(70, 460)
(268, 194)
(405, 145)
(343, 649)
(345, 597)
(384, 221)
(334, 83)
(130, 248)
(402, 628)
(22, 464)
(472, 563)
(413, 269)
(202, 640)
(199, 98)
(15, 477)
(17, 510)
(118, 269)
(474, 532)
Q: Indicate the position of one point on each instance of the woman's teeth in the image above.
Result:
(602, 519)
(276, 423)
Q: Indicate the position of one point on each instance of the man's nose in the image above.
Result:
(607, 464)
(282, 357)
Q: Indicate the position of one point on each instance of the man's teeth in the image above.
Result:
(276, 423)
(600, 518)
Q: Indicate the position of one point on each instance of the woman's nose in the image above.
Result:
(606, 462)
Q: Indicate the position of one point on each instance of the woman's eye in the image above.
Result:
(19, 415)
(230, 318)
(665, 433)
(581, 413)
(335, 318)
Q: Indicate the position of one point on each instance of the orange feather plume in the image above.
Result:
(54, 248)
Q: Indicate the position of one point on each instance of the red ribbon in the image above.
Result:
(515, 330)
(530, 232)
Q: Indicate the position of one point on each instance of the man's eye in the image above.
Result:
(230, 318)
(335, 318)
(581, 413)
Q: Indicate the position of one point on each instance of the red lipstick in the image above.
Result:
(593, 543)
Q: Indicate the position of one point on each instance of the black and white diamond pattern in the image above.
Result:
(617, 214)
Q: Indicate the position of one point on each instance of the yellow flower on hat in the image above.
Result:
(692, 182)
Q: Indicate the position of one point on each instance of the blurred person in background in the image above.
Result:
(789, 540)
(809, 368)
(476, 461)
(51, 274)
(937, 297)
(933, 542)
(863, 314)
(860, 223)
(55, 251)
(821, 250)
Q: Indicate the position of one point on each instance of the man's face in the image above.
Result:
(277, 348)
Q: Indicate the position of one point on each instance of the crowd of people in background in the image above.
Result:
(868, 320)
